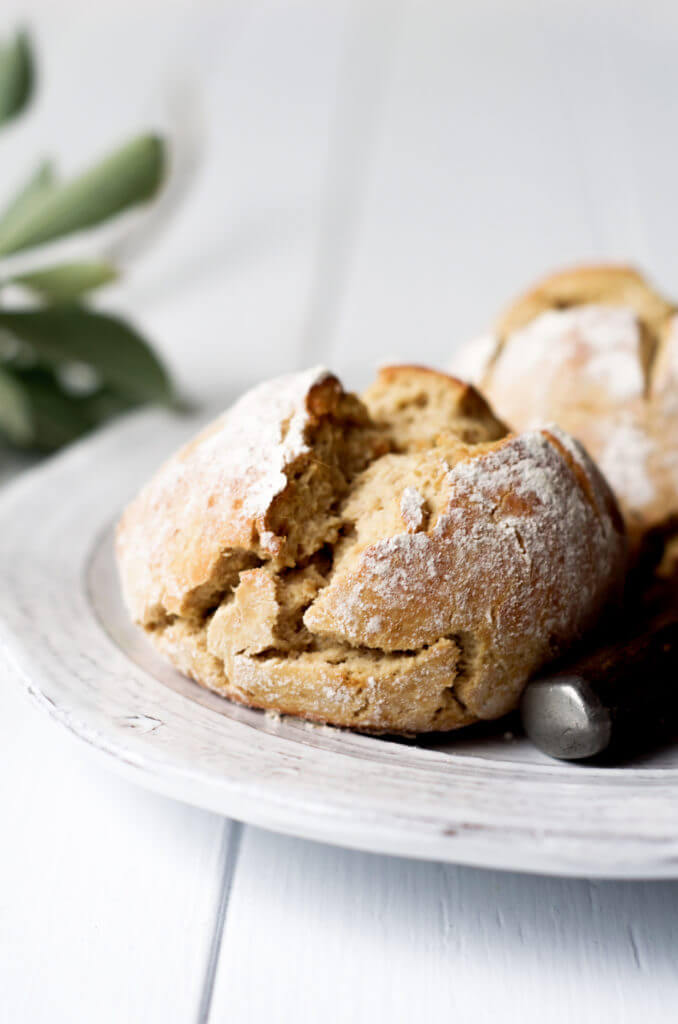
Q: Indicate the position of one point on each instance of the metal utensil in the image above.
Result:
(617, 699)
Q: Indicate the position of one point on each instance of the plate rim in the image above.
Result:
(650, 850)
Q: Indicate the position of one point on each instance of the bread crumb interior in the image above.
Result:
(411, 426)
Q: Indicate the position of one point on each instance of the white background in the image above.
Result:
(375, 180)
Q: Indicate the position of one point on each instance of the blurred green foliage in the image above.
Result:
(64, 367)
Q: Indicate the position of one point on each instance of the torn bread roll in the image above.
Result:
(393, 564)
(595, 350)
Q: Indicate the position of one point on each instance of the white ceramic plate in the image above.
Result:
(475, 799)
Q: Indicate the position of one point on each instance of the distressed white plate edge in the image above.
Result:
(321, 784)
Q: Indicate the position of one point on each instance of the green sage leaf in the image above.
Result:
(17, 76)
(40, 182)
(47, 417)
(127, 177)
(56, 418)
(68, 282)
(118, 354)
(15, 416)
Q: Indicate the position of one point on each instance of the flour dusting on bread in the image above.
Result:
(227, 500)
(395, 564)
(602, 343)
(503, 564)
(413, 510)
(595, 349)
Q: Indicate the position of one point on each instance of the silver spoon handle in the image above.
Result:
(617, 699)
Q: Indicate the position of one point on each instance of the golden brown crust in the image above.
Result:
(610, 284)
(220, 504)
(603, 347)
(414, 403)
(370, 691)
(523, 531)
(397, 564)
(406, 373)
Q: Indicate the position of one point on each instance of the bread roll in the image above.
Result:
(595, 350)
(396, 564)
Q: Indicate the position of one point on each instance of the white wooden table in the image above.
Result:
(376, 179)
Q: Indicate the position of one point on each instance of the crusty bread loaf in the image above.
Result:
(396, 564)
(595, 350)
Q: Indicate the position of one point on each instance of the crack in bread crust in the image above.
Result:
(603, 344)
(250, 627)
